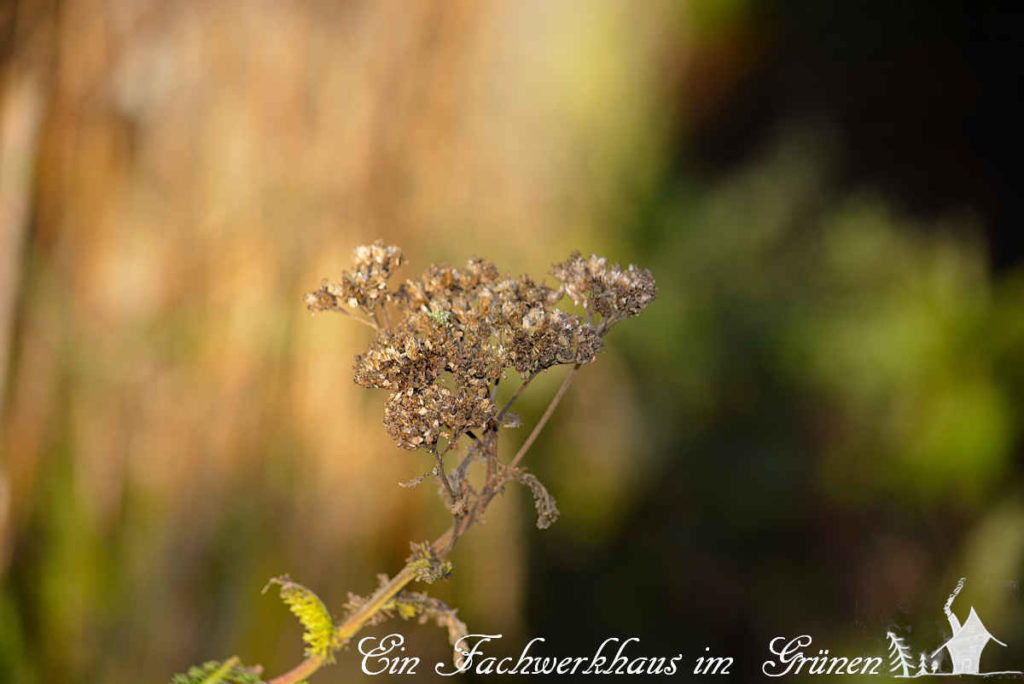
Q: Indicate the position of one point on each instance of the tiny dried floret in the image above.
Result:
(413, 419)
(611, 291)
(411, 356)
(417, 418)
(445, 288)
(365, 287)
(549, 338)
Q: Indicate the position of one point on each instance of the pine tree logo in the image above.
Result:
(899, 656)
(964, 647)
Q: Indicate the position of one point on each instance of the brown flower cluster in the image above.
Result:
(455, 332)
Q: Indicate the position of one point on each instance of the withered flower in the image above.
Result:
(471, 325)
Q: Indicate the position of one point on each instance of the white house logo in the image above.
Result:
(964, 648)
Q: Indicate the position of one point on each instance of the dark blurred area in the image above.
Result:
(816, 428)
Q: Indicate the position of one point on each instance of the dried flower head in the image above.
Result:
(455, 332)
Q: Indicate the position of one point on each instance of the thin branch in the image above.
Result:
(351, 315)
(471, 452)
(300, 672)
(544, 418)
(408, 484)
(497, 476)
(353, 624)
(515, 395)
(441, 474)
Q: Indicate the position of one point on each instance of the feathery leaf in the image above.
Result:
(316, 621)
(215, 672)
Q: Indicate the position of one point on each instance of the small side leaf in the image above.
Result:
(511, 420)
(316, 621)
(547, 509)
(416, 604)
(429, 568)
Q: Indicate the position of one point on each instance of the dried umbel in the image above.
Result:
(446, 339)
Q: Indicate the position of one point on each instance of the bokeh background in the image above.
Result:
(817, 428)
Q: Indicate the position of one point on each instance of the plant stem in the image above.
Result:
(494, 484)
(353, 624)
(441, 474)
(545, 418)
(515, 395)
(351, 315)
(300, 672)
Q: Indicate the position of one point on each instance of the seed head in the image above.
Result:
(454, 332)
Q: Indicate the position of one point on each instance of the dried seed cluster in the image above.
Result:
(611, 291)
(416, 417)
(365, 287)
(456, 332)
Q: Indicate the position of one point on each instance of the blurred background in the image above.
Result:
(817, 428)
